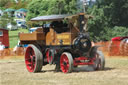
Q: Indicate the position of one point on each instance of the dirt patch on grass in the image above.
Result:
(13, 72)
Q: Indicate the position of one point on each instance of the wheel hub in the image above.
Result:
(64, 63)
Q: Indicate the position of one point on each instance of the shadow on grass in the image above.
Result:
(108, 68)
(43, 71)
(80, 69)
(90, 69)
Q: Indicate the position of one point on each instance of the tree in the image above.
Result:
(37, 8)
(117, 31)
(14, 5)
(109, 15)
(45, 7)
(3, 2)
(116, 11)
(97, 26)
(4, 20)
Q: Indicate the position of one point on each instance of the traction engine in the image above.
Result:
(65, 43)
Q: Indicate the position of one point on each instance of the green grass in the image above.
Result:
(13, 36)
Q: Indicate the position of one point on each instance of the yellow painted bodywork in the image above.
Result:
(53, 38)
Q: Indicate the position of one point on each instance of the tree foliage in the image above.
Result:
(97, 26)
(14, 5)
(117, 31)
(110, 19)
(117, 11)
(3, 2)
(46, 7)
(4, 20)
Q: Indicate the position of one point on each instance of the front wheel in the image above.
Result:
(33, 59)
(99, 61)
(66, 62)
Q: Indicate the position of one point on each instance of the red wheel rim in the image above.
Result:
(64, 63)
(30, 59)
(49, 56)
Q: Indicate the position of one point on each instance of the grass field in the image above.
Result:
(13, 37)
(13, 72)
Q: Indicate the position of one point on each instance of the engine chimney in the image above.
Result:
(81, 21)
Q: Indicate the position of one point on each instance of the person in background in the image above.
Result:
(1, 48)
(16, 47)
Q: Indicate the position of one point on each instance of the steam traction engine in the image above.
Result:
(64, 43)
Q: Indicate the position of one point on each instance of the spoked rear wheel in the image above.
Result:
(33, 59)
(66, 62)
(99, 61)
